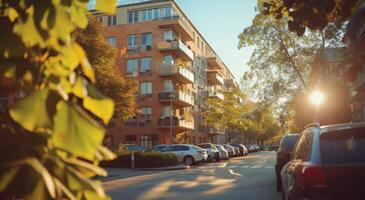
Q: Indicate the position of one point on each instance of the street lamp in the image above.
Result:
(317, 98)
(172, 97)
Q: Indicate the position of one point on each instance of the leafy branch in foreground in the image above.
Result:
(50, 142)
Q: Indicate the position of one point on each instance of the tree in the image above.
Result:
(110, 81)
(50, 143)
(315, 15)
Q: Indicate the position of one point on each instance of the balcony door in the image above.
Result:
(168, 86)
(168, 60)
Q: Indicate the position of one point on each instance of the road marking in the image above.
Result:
(245, 166)
(269, 167)
(233, 166)
(256, 166)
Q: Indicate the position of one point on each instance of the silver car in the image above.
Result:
(187, 153)
(231, 150)
(213, 153)
(222, 151)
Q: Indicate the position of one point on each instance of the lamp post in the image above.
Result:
(171, 96)
(317, 98)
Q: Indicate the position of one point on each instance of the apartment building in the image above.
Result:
(175, 67)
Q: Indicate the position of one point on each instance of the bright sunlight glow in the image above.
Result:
(317, 98)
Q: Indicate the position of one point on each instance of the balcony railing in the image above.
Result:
(181, 73)
(176, 122)
(177, 47)
(178, 24)
(177, 97)
(215, 63)
(214, 78)
(231, 83)
(215, 92)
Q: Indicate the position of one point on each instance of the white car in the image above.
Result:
(231, 150)
(213, 153)
(222, 151)
(187, 153)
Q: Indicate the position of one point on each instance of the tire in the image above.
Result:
(209, 159)
(188, 160)
(217, 158)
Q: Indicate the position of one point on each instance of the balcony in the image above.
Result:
(178, 72)
(177, 47)
(214, 78)
(215, 93)
(215, 63)
(231, 83)
(176, 123)
(178, 25)
(215, 131)
(180, 98)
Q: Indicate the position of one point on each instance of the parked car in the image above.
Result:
(273, 147)
(251, 148)
(187, 153)
(328, 162)
(240, 148)
(245, 149)
(131, 147)
(223, 153)
(283, 155)
(231, 150)
(213, 153)
(159, 147)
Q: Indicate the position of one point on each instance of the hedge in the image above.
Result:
(142, 160)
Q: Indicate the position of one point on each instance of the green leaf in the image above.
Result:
(103, 108)
(76, 132)
(31, 111)
(108, 6)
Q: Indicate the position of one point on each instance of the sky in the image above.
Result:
(220, 23)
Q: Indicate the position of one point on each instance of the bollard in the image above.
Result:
(132, 160)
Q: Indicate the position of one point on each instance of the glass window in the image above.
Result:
(146, 112)
(147, 15)
(148, 141)
(146, 39)
(168, 12)
(169, 35)
(112, 20)
(168, 86)
(146, 64)
(132, 67)
(146, 88)
(156, 13)
(132, 41)
(168, 60)
(343, 146)
(166, 111)
(132, 16)
(303, 148)
(112, 41)
(288, 142)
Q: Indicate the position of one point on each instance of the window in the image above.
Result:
(112, 41)
(169, 35)
(147, 15)
(148, 141)
(168, 12)
(168, 60)
(166, 111)
(146, 88)
(146, 65)
(303, 148)
(112, 20)
(132, 67)
(168, 86)
(132, 16)
(156, 13)
(132, 43)
(147, 41)
(146, 113)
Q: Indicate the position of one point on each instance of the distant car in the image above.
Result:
(231, 150)
(328, 162)
(159, 147)
(283, 155)
(222, 151)
(131, 147)
(251, 148)
(213, 153)
(273, 147)
(187, 153)
(245, 149)
(242, 149)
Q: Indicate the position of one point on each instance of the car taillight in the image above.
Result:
(312, 176)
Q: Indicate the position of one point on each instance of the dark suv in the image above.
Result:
(328, 162)
(283, 155)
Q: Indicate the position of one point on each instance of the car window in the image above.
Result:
(205, 146)
(288, 142)
(304, 145)
(345, 146)
(181, 148)
(168, 148)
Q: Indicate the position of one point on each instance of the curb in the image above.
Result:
(179, 167)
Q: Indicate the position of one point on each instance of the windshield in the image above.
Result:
(288, 142)
(346, 146)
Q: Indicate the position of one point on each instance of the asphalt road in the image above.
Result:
(251, 177)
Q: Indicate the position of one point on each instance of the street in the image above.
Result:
(249, 177)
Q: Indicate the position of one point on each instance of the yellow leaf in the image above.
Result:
(103, 108)
(108, 6)
(13, 14)
(86, 67)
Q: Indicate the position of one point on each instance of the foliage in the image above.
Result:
(50, 142)
(109, 79)
(229, 113)
(315, 15)
(143, 160)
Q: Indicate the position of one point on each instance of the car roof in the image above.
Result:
(345, 126)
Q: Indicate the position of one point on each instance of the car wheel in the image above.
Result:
(217, 158)
(209, 159)
(188, 160)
